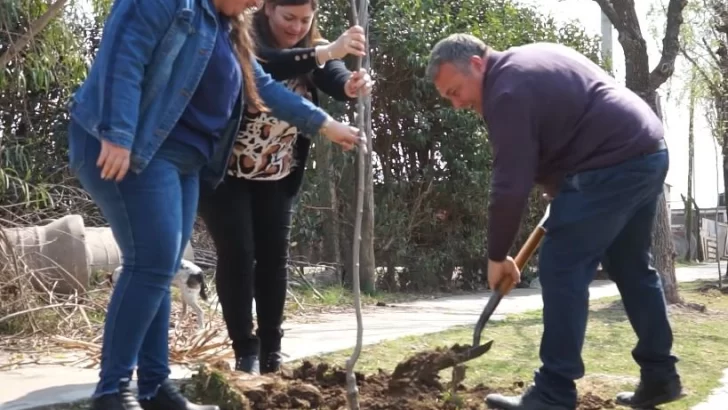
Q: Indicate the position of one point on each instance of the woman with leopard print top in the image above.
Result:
(249, 214)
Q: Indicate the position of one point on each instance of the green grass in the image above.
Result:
(701, 343)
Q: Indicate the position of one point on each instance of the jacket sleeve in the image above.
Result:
(332, 78)
(283, 64)
(133, 31)
(287, 105)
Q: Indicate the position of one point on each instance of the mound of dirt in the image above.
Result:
(321, 386)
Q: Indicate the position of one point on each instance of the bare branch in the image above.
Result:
(714, 88)
(710, 52)
(608, 11)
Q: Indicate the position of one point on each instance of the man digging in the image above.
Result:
(556, 119)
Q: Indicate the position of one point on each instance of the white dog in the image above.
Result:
(191, 283)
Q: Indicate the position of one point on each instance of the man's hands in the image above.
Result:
(505, 270)
(113, 161)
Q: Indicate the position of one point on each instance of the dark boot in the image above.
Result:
(270, 349)
(650, 395)
(123, 400)
(270, 362)
(247, 364)
(529, 400)
(169, 398)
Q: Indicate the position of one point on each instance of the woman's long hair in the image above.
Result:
(245, 50)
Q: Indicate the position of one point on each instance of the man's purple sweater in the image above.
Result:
(552, 112)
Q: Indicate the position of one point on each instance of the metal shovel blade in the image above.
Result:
(450, 360)
(474, 352)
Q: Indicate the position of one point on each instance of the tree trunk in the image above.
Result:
(722, 123)
(642, 81)
(329, 201)
(663, 252)
(691, 156)
(698, 236)
(367, 260)
(663, 249)
(687, 225)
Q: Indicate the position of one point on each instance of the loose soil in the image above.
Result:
(321, 386)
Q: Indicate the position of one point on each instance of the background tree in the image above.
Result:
(689, 226)
(430, 166)
(706, 49)
(704, 41)
(645, 82)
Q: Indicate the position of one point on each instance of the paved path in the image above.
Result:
(718, 399)
(28, 387)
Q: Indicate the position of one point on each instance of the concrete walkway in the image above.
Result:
(718, 399)
(32, 386)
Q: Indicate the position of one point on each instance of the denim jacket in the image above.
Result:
(150, 60)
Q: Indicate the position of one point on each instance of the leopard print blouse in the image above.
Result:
(263, 149)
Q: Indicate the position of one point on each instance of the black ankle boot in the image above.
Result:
(652, 394)
(169, 398)
(529, 400)
(248, 364)
(270, 362)
(123, 400)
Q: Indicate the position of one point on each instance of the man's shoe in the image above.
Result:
(270, 362)
(123, 400)
(529, 400)
(169, 398)
(650, 395)
(247, 364)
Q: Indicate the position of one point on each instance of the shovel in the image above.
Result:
(502, 289)
(425, 365)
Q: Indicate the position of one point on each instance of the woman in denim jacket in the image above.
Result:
(164, 100)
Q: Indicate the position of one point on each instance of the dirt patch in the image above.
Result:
(589, 401)
(321, 386)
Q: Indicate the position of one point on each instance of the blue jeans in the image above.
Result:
(602, 215)
(151, 216)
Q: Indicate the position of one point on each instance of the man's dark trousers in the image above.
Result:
(604, 215)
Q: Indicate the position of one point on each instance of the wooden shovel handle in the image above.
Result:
(527, 250)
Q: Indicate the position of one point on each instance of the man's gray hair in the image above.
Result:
(456, 49)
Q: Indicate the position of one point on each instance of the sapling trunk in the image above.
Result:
(352, 391)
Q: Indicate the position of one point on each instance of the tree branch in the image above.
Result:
(670, 44)
(710, 52)
(721, 14)
(608, 11)
(713, 87)
(623, 16)
(35, 28)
